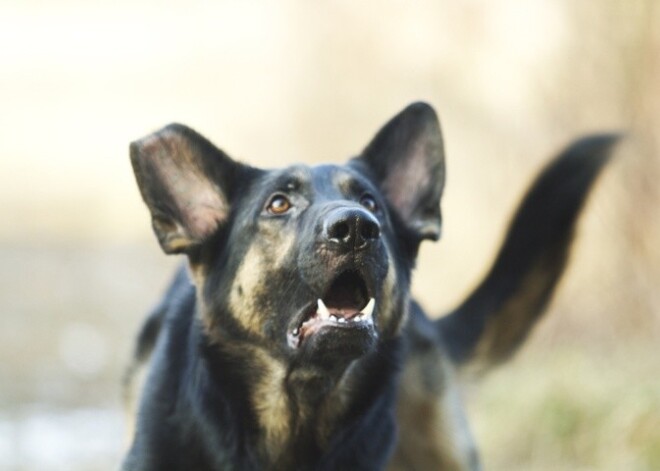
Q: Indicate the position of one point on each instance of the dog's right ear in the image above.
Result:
(406, 159)
(187, 184)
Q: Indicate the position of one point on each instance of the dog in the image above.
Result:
(290, 339)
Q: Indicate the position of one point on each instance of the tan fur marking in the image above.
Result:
(342, 180)
(511, 323)
(248, 281)
(385, 321)
(429, 411)
(268, 395)
(260, 261)
(280, 250)
(197, 273)
(271, 404)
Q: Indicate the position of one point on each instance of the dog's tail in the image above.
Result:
(497, 316)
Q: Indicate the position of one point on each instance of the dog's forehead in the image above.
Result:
(324, 177)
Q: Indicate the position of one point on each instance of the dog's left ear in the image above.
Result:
(406, 159)
(187, 183)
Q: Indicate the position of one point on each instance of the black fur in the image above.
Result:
(246, 374)
(539, 238)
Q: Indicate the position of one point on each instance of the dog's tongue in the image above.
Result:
(344, 311)
(346, 297)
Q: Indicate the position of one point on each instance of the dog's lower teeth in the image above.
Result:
(323, 315)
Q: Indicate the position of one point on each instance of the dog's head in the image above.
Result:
(313, 262)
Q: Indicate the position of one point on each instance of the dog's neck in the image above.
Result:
(296, 412)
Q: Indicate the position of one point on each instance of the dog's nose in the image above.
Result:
(351, 228)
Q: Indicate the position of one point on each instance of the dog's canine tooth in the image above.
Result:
(334, 318)
(322, 309)
(369, 308)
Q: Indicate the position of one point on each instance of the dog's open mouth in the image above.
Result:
(347, 304)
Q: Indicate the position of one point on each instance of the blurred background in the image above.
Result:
(275, 82)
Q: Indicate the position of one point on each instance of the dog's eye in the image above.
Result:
(279, 204)
(369, 202)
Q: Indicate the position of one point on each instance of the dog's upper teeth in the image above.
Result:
(334, 318)
(341, 320)
(296, 331)
(368, 309)
(322, 309)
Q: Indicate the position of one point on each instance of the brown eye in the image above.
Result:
(279, 204)
(369, 202)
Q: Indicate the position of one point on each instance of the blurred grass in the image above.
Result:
(567, 408)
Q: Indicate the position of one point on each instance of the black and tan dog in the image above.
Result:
(291, 341)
